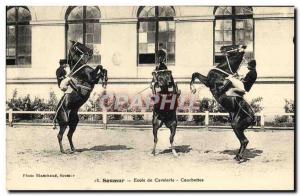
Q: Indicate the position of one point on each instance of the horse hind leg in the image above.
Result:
(239, 127)
(172, 126)
(62, 128)
(72, 127)
(155, 129)
(156, 124)
(173, 132)
(62, 118)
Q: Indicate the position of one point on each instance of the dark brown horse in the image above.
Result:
(164, 112)
(241, 114)
(83, 80)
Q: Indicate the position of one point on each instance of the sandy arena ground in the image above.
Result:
(125, 154)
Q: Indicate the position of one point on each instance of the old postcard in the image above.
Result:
(150, 97)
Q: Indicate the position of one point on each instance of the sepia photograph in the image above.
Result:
(150, 97)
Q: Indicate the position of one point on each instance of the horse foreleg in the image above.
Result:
(73, 124)
(243, 144)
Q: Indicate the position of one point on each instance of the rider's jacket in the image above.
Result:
(62, 77)
(249, 79)
(60, 74)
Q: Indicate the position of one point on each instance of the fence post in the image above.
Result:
(104, 118)
(10, 117)
(206, 120)
(262, 121)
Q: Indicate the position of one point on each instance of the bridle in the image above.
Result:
(72, 72)
(228, 63)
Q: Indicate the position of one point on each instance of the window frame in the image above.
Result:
(155, 19)
(234, 18)
(84, 21)
(16, 24)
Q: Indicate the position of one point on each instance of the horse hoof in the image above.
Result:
(153, 153)
(63, 152)
(238, 157)
(73, 150)
(174, 153)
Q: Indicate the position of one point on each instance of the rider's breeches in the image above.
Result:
(237, 83)
(64, 84)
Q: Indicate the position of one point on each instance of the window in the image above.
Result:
(233, 25)
(18, 36)
(82, 25)
(156, 26)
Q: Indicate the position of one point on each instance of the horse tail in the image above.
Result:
(203, 79)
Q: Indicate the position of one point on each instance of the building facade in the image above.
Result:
(126, 38)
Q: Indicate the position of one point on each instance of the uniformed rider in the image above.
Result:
(244, 84)
(62, 75)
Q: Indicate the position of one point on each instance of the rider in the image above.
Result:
(244, 84)
(161, 56)
(251, 76)
(62, 73)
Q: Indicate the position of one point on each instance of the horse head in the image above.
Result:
(163, 79)
(234, 56)
(79, 54)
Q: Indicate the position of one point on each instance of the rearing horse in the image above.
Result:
(164, 112)
(241, 114)
(83, 80)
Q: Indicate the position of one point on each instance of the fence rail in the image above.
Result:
(104, 114)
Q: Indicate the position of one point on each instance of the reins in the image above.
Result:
(72, 72)
(228, 63)
(218, 69)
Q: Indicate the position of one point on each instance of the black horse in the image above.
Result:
(83, 80)
(241, 113)
(164, 112)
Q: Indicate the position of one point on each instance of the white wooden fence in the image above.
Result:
(105, 119)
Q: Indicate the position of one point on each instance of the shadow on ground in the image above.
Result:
(248, 154)
(179, 149)
(105, 148)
